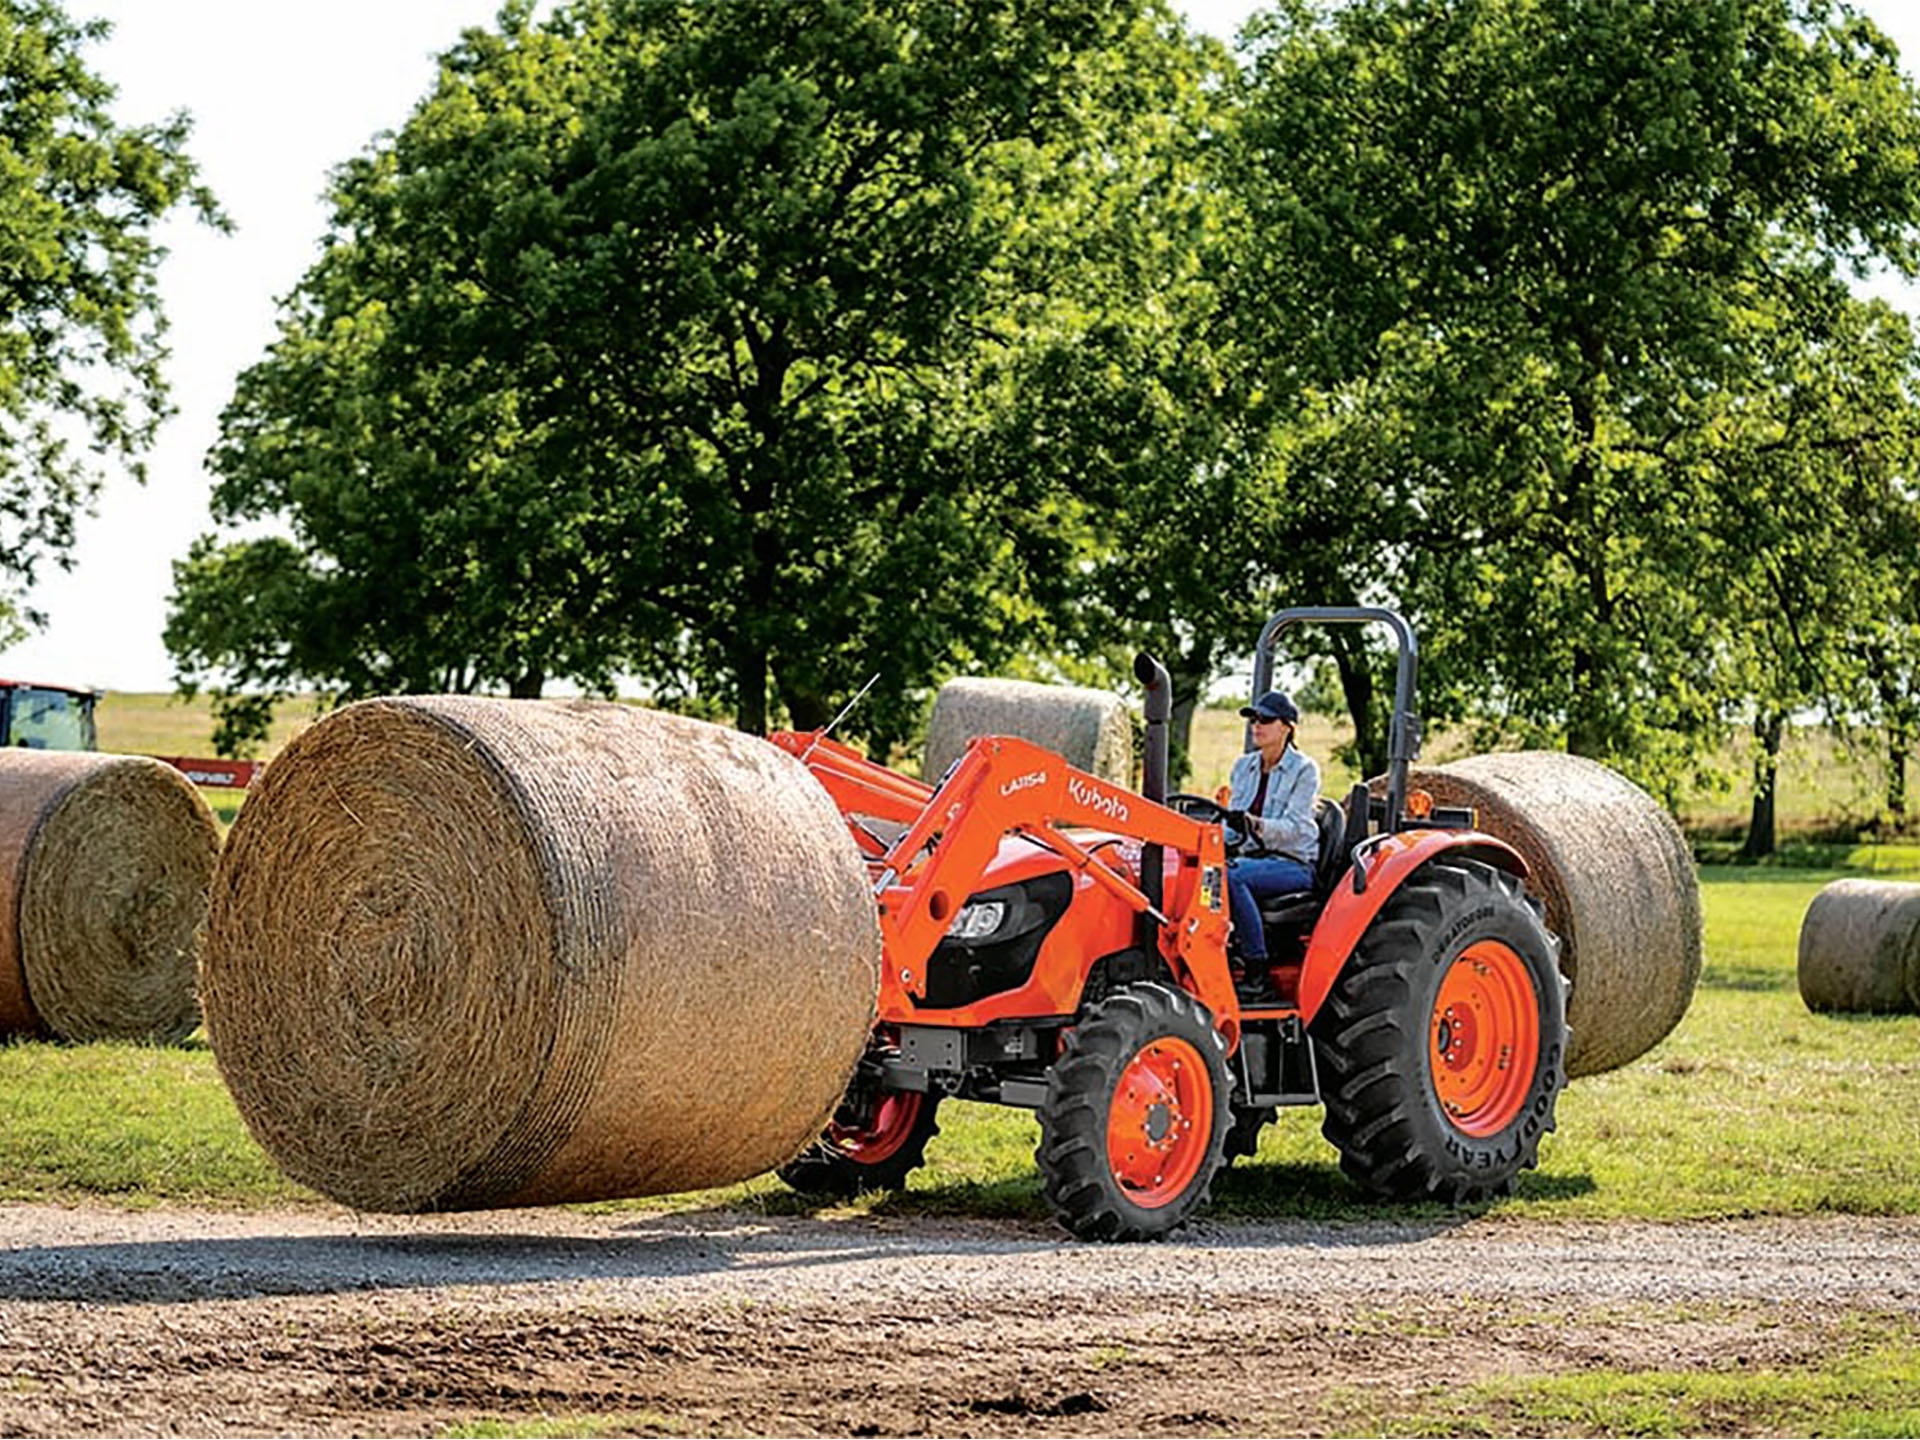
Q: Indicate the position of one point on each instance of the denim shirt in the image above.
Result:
(1285, 825)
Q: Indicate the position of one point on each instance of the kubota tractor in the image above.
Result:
(1057, 942)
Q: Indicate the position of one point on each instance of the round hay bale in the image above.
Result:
(1618, 883)
(1090, 729)
(104, 863)
(466, 953)
(1860, 948)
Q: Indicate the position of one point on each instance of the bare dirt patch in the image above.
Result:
(323, 1322)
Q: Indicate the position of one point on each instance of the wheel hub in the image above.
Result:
(1161, 1122)
(1484, 1039)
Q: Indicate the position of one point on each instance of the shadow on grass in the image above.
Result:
(1721, 975)
(1271, 1192)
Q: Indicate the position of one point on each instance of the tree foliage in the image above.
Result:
(676, 339)
(81, 349)
(752, 349)
(1549, 268)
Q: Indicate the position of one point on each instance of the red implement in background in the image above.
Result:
(216, 774)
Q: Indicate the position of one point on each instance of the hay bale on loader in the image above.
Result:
(1860, 948)
(466, 953)
(104, 865)
(1619, 886)
(1091, 729)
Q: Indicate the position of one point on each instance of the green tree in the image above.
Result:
(1534, 258)
(675, 338)
(81, 349)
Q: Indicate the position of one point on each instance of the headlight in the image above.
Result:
(978, 920)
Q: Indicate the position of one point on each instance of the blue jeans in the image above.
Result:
(1251, 879)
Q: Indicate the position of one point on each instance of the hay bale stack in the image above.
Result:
(1860, 948)
(1618, 883)
(1091, 729)
(104, 865)
(466, 953)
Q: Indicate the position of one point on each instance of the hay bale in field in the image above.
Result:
(1091, 729)
(104, 866)
(1860, 948)
(466, 953)
(1618, 883)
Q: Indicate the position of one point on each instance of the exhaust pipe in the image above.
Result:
(1153, 678)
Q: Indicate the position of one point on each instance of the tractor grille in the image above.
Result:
(963, 971)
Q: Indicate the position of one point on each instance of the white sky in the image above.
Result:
(280, 92)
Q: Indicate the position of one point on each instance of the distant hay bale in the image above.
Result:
(105, 861)
(1860, 948)
(466, 953)
(1618, 883)
(1090, 729)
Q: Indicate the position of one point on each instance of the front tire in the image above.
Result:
(877, 1139)
(1136, 1114)
(1443, 1045)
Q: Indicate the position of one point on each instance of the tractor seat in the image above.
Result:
(1302, 907)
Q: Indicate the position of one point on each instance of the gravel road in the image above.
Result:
(318, 1321)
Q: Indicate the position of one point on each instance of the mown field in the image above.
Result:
(1752, 1107)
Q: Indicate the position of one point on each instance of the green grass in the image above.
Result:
(133, 1124)
(1753, 1106)
(1865, 1388)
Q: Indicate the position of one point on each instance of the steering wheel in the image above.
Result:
(1209, 811)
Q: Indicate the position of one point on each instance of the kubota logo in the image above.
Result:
(1024, 782)
(1112, 806)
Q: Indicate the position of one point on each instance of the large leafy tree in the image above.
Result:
(1540, 263)
(81, 348)
(675, 339)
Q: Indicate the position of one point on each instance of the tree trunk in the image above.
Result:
(750, 680)
(808, 711)
(1766, 774)
(528, 684)
(1898, 743)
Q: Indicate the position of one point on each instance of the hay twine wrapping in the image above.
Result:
(1090, 729)
(466, 953)
(105, 861)
(1618, 883)
(1860, 948)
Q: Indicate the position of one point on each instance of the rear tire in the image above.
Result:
(875, 1142)
(1442, 1047)
(1135, 1116)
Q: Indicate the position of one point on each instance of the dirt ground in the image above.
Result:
(325, 1322)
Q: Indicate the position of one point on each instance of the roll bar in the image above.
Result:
(1403, 731)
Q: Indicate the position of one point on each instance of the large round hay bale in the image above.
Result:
(466, 953)
(1860, 948)
(104, 866)
(1618, 883)
(1090, 729)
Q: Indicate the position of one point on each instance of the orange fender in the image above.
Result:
(1386, 863)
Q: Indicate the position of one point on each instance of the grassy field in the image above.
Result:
(141, 724)
(1823, 785)
(1752, 1107)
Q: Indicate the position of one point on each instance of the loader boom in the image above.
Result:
(1004, 786)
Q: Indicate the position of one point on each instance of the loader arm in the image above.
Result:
(1003, 786)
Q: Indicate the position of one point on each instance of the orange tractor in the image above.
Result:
(1056, 942)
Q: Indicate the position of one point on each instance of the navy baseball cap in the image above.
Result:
(1272, 706)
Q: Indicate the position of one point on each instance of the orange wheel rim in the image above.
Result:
(893, 1121)
(1161, 1122)
(1484, 1040)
